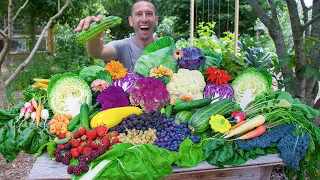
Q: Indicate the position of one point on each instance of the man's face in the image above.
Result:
(143, 20)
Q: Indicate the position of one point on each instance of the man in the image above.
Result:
(143, 19)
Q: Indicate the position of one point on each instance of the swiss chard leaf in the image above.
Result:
(50, 148)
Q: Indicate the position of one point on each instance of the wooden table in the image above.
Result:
(46, 169)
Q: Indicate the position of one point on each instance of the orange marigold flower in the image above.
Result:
(99, 85)
(177, 54)
(218, 76)
(116, 69)
(160, 71)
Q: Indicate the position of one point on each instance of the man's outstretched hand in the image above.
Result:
(85, 23)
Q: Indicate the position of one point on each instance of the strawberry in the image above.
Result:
(105, 141)
(115, 133)
(83, 138)
(82, 131)
(83, 143)
(80, 149)
(76, 135)
(101, 130)
(95, 144)
(89, 143)
(61, 146)
(91, 134)
(61, 136)
(87, 151)
(75, 153)
(75, 143)
(115, 141)
(70, 142)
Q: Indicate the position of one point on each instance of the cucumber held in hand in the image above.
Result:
(97, 28)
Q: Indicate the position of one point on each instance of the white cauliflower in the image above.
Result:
(186, 84)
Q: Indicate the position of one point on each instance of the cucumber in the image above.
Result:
(199, 121)
(189, 105)
(97, 28)
(168, 111)
(76, 119)
(84, 115)
(183, 116)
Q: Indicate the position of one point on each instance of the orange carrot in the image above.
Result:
(38, 115)
(255, 133)
(237, 125)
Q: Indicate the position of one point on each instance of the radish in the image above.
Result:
(22, 111)
(240, 116)
(234, 113)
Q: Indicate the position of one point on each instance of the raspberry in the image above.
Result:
(68, 155)
(77, 170)
(70, 169)
(66, 160)
(59, 157)
(56, 152)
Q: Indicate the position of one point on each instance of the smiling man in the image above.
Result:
(143, 19)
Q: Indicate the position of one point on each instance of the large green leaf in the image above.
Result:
(156, 54)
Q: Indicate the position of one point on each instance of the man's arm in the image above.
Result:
(97, 49)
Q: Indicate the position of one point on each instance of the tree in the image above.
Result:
(5, 50)
(304, 76)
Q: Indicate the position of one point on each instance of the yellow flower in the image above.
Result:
(116, 69)
(219, 123)
(177, 54)
(160, 71)
(99, 85)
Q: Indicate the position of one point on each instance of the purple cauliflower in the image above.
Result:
(113, 97)
(150, 94)
(192, 58)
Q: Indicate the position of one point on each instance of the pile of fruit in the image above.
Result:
(84, 145)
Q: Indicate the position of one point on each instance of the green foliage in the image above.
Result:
(258, 57)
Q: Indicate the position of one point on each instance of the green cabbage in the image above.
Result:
(67, 92)
(156, 54)
(249, 85)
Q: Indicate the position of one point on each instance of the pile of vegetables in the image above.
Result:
(177, 107)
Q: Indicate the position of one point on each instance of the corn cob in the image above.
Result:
(97, 28)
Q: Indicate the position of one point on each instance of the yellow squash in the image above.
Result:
(114, 116)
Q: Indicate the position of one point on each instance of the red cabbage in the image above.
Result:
(192, 58)
(213, 91)
(127, 82)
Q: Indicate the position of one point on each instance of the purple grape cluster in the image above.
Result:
(173, 134)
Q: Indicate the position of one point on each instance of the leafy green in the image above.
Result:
(30, 93)
(94, 72)
(212, 59)
(126, 161)
(50, 148)
(191, 154)
(156, 54)
(8, 145)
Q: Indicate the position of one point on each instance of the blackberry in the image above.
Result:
(95, 155)
(66, 160)
(67, 146)
(56, 152)
(82, 158)
(59, 157)
(102, 149)
(68, 155)
(70, 169)
(77, 170)
(84, 167)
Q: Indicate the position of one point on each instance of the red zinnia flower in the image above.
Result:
(218, 76)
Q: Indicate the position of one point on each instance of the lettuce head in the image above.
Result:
(67, 92)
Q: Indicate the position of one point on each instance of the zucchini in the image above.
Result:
(84, 115)
(97, 28)
(193, 104)
(199, 121)
(183, 116)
